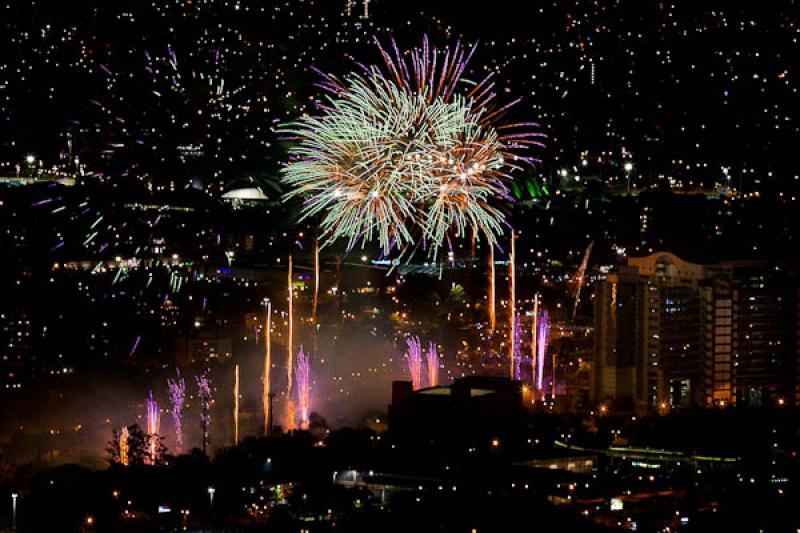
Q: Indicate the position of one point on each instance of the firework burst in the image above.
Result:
(407, 152)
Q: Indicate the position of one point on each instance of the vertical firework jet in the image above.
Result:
(553, 386)
(316, 283)
(177, 394)
(492, 316)
(581, 277)
(153, 425)
(517, 347)
(265, 392)
(534, 325)
(204, 396)
(512, 312)
(123, 446)
(236, 405)
(302, 375)
(541, 339)
(414, 356)
(433, 365)
(290, 347)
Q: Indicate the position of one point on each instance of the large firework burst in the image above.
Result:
(407, 152)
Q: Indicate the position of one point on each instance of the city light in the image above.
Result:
(466, 260)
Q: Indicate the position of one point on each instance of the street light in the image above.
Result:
(211, 491)
(30, 159)
(628, 167)
(14, 497)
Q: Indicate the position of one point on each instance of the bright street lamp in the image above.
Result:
(14, 497)
(628, 167)
(211, 491)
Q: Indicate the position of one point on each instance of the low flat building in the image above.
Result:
(473, 407)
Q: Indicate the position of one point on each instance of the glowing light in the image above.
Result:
(177, 394)
(290, 348)
(123, 446)
(492, 315)
(580, 278)
(414, 357)
(516, 344)
(513, 320)
(153, 425)
(236, 405)
(204, 396)
(534, 333)
(316, 282)
(400, 154)
(266, 385)
(302, 374)
(541, 340)
(433, 365)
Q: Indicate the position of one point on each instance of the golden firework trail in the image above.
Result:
(492, 316)
(267, 367)
(316, 283)
(290, 346)
(534, 326)
(512, 306)
(123, 446)
(581, 278)
(236, 406)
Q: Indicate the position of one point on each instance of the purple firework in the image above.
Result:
(153, 425)
(204, 395)
(415, 361)
(541, 336)
(302, 384)
(517, 345)
(177, 395)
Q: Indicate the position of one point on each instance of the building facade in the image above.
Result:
(670, 333)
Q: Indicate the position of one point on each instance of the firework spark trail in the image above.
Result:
(135, 345)
(265, 393)
(581, 276)
(433, 365)
(177, 395)
(123, 446)
(236, 405)
(517, 348)
(290, 347)
(512, 312)
(534, 333)
(407, 151)
(204, 396)
(302, 375)
(316, 283)
(153, 426)
(553, 385)
(541, 339)
(414, 356)
(492, 315)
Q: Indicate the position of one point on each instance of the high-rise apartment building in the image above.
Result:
(670, 333)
